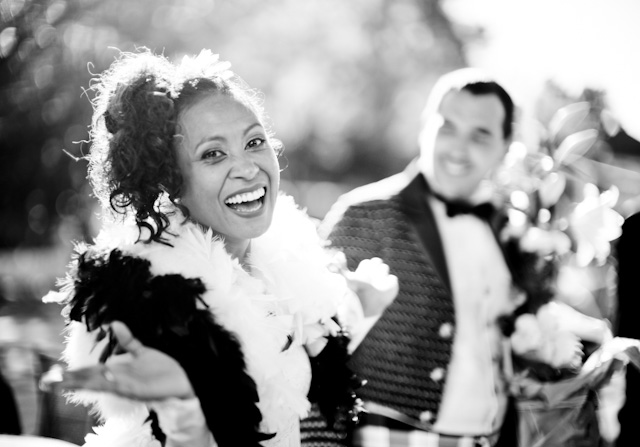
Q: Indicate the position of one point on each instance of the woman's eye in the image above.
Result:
(256, 143)
(212, 154)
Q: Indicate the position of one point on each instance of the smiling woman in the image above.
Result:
(230, 170)
(221, 282)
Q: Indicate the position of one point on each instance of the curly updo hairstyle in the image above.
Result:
(133, 165)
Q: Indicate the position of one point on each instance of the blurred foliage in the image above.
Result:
(344, 84)
(610, 157)
(561, 221)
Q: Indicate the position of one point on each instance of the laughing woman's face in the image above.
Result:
(230, 171)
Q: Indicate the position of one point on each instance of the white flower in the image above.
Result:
(205, 64)
(551, 188)
(564, 351)
(583, 326)
(595, 224)
(545, 242)
(527, 337)
(553, 336)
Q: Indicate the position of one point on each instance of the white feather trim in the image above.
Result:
(290, 291)
(83, 350)
(123, 431)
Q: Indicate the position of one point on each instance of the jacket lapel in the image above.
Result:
(414, 200)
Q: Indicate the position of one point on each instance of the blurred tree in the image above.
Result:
(344, 81)
(41, 112)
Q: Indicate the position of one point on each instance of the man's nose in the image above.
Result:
(459, 147)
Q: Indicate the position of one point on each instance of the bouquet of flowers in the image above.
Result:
(558, 231)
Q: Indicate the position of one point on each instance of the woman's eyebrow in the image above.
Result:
(221, 138)
(251, 126)
(209, 139)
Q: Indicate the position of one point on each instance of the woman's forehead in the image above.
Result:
(215, 115)
(217, 102)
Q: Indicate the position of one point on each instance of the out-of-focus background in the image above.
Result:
(344, 84)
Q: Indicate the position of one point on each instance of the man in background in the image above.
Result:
(433, 359)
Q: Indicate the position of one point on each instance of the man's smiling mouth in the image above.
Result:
(455, 168)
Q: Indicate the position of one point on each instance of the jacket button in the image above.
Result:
(426, 416)
(437, 374)
(445, 330)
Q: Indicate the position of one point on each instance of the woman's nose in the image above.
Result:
(244, 167)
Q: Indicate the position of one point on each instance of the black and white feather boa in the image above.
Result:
(290, 295)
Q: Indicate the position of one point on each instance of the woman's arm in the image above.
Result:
(148, 375)
(142, 373)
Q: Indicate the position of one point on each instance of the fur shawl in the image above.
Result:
(290, 298)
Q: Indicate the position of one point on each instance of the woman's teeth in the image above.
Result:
(246, 197)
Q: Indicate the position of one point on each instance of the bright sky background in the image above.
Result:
(579, 43)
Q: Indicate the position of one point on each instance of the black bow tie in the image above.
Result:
(456, 207)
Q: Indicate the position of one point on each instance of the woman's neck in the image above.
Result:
(239, 250)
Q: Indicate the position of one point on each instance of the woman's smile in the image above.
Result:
(247, 202)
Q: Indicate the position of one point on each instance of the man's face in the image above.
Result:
(463, 142)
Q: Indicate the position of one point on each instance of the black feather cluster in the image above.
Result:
(163, 313)
(535, 275)
(333, 385)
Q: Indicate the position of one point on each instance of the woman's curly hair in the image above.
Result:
(133, 165)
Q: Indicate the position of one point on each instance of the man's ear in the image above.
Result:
(422, 135)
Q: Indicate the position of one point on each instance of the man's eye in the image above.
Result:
(256, 143)
(482, 137)
(447, 127)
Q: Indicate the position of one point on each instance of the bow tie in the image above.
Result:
(454, 208)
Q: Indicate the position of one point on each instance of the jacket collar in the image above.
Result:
(414, 199)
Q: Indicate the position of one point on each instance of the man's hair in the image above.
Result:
(476, 82)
